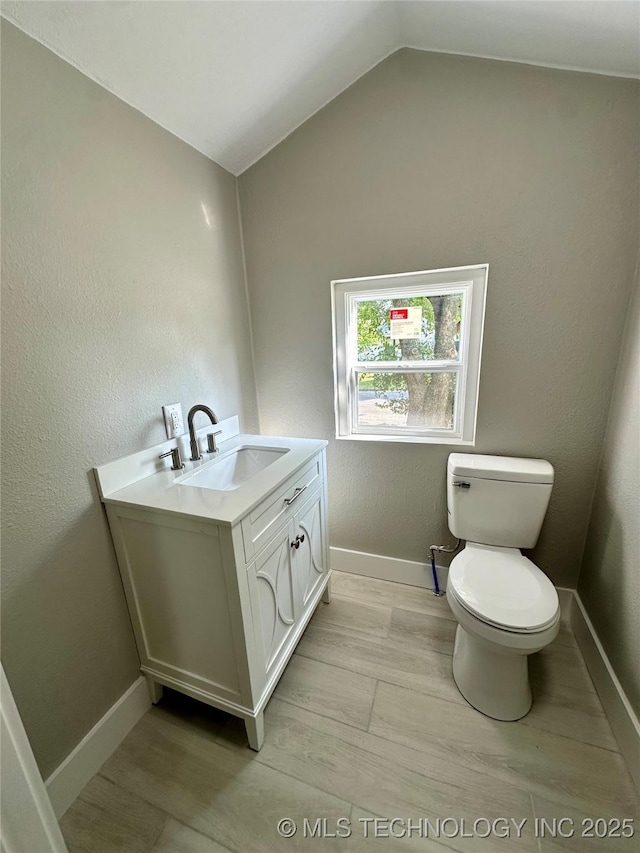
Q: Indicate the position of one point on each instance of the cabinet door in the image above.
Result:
(273, 595)
(310, 558)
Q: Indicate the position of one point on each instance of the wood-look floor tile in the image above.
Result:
(178, 838)
(420, 669)
(559, 665)
(567, 653)
(532, 759)
(107, 819)
(328, 690)
(566, 637)
(227, 795)
(389, 594)
(349, 613)
(571, 712)
(571, 829)
(422, 631)
(383, 777)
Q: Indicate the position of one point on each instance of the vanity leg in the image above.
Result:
(155, 690)
(326, 595)
(255, 731)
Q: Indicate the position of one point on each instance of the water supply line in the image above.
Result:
(445, 550)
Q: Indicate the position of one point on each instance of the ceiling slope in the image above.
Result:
(234, 78)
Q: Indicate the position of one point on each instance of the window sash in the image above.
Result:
(465, 288)
(455, 431)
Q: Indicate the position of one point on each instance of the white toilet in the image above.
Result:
(506, 607)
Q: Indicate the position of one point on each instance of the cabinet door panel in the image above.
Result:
(274, 595)
(310, 560)
(177, 593)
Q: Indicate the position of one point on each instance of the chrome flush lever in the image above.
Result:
(462, 485)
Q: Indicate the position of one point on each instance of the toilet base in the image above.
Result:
(492, 680)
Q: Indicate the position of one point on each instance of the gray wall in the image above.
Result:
(118, 296)
(610, 577)
(434, 161)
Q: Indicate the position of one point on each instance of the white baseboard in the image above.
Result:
(387, 568)
(66, 782)
(413, 573)
(621, 716)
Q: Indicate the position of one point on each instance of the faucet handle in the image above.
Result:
(211, 441)
(176, 459)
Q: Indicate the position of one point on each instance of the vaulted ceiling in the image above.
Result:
(234, 78)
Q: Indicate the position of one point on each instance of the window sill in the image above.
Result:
(408, 439)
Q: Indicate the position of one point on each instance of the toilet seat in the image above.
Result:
(502, 588)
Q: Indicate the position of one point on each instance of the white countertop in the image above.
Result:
(160, 492)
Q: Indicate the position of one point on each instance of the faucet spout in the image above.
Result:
(195, 450)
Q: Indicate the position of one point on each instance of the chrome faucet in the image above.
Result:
(195, 450)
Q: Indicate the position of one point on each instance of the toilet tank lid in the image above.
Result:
(508, 468)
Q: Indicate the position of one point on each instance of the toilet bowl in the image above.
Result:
(506, 609)
(505, 606)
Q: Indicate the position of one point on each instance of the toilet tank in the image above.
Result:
(497, 500)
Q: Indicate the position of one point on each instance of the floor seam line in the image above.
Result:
(318, 713)
(373, 702)
(391, 683)
(167, 815)
(533, 812)
(198, 832)
(211, 838)
(569, 737)
(391, 643)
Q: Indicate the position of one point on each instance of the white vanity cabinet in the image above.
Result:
(218, 608)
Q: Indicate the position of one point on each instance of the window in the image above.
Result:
(407, 355)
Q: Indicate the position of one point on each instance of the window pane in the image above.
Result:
(421, 400)
(424, 327)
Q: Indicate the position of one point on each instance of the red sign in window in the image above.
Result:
(399, 314)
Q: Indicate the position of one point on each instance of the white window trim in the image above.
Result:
(470, 280)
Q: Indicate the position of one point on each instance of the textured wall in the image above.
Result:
(434, 161)
(609, 582)
(123, 289)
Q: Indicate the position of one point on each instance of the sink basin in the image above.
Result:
(233, 469)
